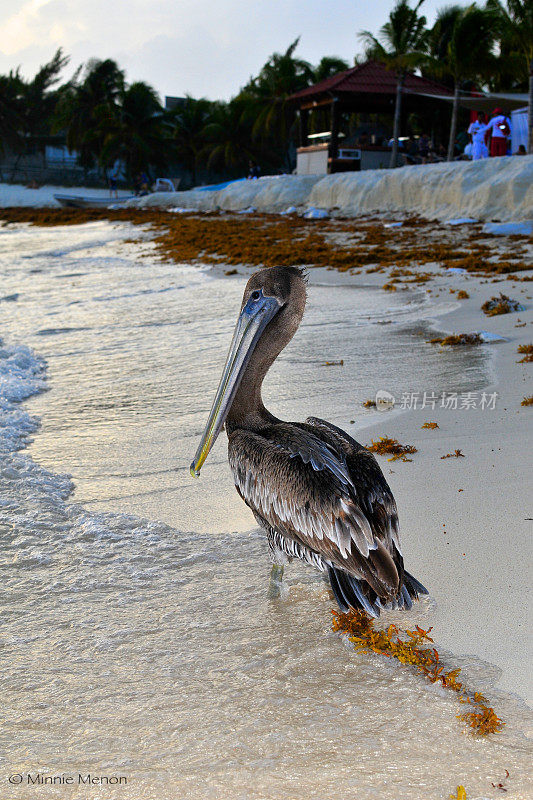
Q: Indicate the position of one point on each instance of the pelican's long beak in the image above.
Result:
(252, 321)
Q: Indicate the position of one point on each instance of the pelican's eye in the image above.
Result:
(255, 295)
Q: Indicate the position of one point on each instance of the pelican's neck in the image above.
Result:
(248, 410)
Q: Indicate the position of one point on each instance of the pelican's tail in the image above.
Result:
(413, 586)
(350, 592)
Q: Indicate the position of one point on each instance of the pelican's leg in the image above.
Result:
(276, 579)
(276, 587)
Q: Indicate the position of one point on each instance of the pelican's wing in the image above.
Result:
(303, 487)
(374, 496)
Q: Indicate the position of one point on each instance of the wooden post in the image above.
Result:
(304, 117)
(334, 147)
(453, 124)
(396, 125)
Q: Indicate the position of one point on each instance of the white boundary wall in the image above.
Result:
(491, 189)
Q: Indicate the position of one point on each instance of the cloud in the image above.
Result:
(199, 47)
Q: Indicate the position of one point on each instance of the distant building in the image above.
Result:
(60, 156)
(368, 88)
(174, 102)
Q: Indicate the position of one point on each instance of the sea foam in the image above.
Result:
(22, 374)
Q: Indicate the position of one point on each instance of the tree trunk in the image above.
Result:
(304, 119)
(396, 128)
(530, 111)
(15, 166)
(334, 143)
(453, 126)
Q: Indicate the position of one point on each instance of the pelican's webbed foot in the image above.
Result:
(276, 581)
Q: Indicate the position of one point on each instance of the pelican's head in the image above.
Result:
(272, 308)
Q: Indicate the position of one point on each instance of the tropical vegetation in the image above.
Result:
(105, 120)
(401, 45)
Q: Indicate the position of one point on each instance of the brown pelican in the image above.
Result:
(319, 495)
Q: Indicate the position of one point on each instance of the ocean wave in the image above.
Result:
(22, 374)
(130, 640)
(34, 500)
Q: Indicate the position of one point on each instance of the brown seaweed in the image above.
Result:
(410, 648)
(456, 339)
(386, 446)
(267, 240)
(455, 454)
(527, 351)
(500, 305)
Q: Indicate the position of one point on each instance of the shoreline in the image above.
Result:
(459, 567)
(152, 600)
(478, 538)
(427, 489)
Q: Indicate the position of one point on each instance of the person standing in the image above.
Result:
(113, 179)
(499, 128)
(476, 131)
(424, 146)
(254, 171)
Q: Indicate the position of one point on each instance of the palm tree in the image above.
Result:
(439, 38)
(190, 121)
(39, 101)
(467, 52)
(140, 134)
(515, 38)
(11, 112)
(89, 110)
(229, 136)
(328, 66)
(26, 108)
(275, 115)
(401, 45)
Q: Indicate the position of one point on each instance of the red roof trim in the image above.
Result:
(370, 78)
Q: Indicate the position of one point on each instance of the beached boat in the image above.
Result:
(79, 201)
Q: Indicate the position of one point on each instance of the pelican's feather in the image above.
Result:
(373, 492)
(323, 493)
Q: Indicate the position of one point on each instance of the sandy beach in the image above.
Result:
(20, 195)
(467, 518)
(472, 542)
(234, 676)
(266, 401)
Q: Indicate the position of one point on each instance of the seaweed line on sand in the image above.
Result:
(268, 240)
(409, 648)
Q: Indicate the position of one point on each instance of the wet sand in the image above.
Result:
(246, 693)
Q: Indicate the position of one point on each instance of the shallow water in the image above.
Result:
(137, 637)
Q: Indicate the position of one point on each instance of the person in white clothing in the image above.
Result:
(499, 129)
(476, 132)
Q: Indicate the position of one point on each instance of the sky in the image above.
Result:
(205, 48)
